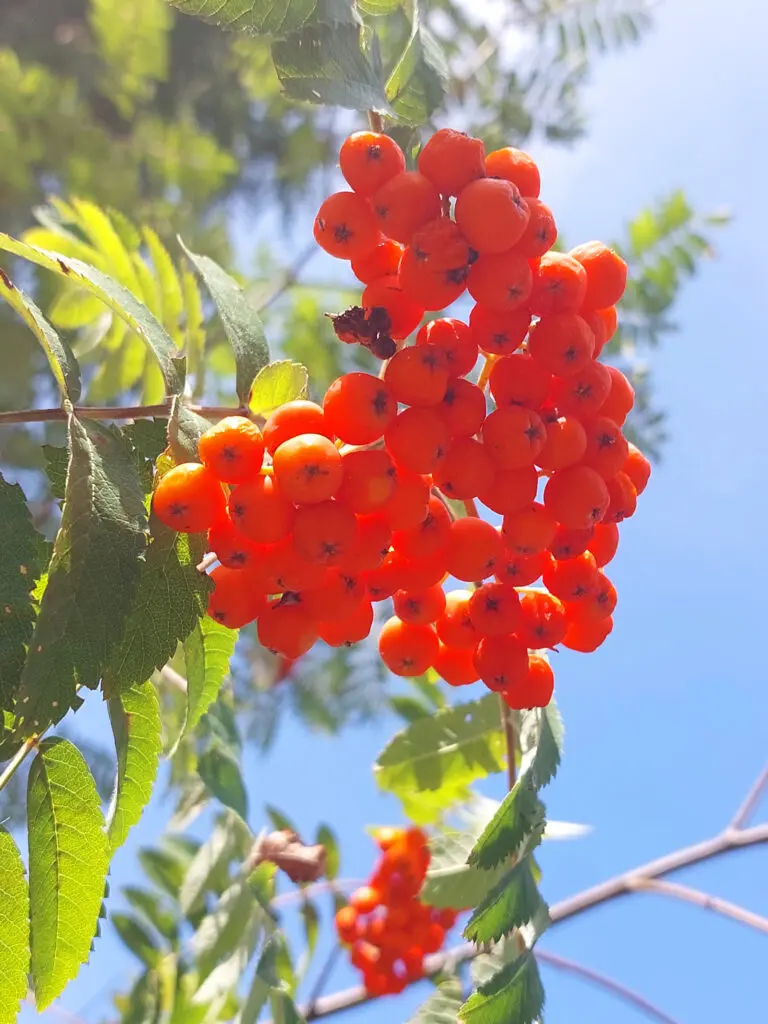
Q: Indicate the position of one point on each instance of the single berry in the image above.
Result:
(358, 407)
(292, 419)
(498, 334)
(260, 510)
(451, 160)
(405, 649)
(189, 498)
(234, 600)
(417, 375)
(502, 282)
(405, 203)
(368, 160)
(233, 449)
(387, 293)
(606, 274)
(492, 215)
(501, 661)
(308, 469)
(345, 226)
(577, 497)
(558, 286)
(516, 166)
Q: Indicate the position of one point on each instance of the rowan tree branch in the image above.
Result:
(706, 902)
(288, 277)
(603, 981)
(114, 412)
(751, 800)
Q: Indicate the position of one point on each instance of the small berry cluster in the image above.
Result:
(388, 929)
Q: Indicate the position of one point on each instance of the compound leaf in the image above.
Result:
(14, 929)
(135, 717)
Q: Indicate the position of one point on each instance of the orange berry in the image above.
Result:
(324, 532)
(454, 627)
(565, 444)
(494, 609)
(535, 691)
(529, 531)
(586, 635)
(383, 261)
(473, 549)
(540, 232)
(584, 392)
(600, 602)
(236, 598)
(498, 333)
(422, 572)
(510, 490)
(405, 649)
(230, 546)
(573, 579)
(189, 498)
(577, 497)
(562, 343)
(434, 267)
(292, 419)
(308, 469)
(346, 921)
(358, 407)
(434, 937)
(369, 480)
(420, 607)
(456, 665)
(416, 439)
(455, 339)
(409, 503)
(492, 215)
(385, 579)
(637, 468)
(368, 160)
(542, 621)
(431, 534)
(607, 448)
(519, 380)
(622, 499)
(260, 510)
(365, 899)
(451, 160)
(570, 543)
(345, 226)
(501, 661)
(559, 285)
(372, 542)
(405, 203)
(335, 597)
(621, 397)
(462, 408)
(522, 570)
(233, 449)
(502, 283)
(417, 375)
(513, 436)
(285, 628)
(516, 166)
(606, 274)
(604, 543)
(387, 293)
(466, 470)
(285, 569)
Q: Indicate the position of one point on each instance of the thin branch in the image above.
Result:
(603, 981)
(18, 759)
(706, 902)
(114, 412)
(321, 982)
(315, 889)
(751, 800)
(288, 278)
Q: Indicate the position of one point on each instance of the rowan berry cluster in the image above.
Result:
(332, 508)
(387, 928)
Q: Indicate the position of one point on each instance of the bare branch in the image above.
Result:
(706, 902)
(287, 278)
(321, 982)
(603, 981)
(114, 412)
(751, 800)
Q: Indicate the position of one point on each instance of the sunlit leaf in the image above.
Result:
(251, 15)
(418, 83)
(520, 814)
(442, 1007)
(451, 881)
(14, 929)
(512, 902)
(219, 769)
(514, 994)
(136, 937)
(135, 717)
(207, 651)
(276, 384)
(326, 838)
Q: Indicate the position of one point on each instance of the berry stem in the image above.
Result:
(485, 373)
(18, 759)
(376, 121)
(510, 741)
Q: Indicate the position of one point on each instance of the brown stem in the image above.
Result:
(706, 902)
(603, 981)
(376, 121)
(510, 742)
(115, 412)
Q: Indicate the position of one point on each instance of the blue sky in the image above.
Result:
(666, 724)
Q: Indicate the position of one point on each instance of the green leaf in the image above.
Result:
(328, 64)
(208, 863)
(442, 1006)
(118, 298)
(143, 1004)
(326, 838)
(644, 233)
(284, 1009)
(136, 937)
(172, 594)
(419, 81)
(60, 356)
(378, 8)
(451, 881)
(68, 861)
(185, 428)
(221, 931)
(93, 575)
(14, 930)
(135, 717)
(311, 920)
(166, 870)
(429, 806)
(219, 769)
(225, 978)
(171, 297)
(207, 651)
(258, 993)
(511, 903)
(541, 734)
(241, 322)
(150, 905)
(409, 708)
(521, 814)
(276, 384)
(260, 16)
(20, 548)
(514, 995)
(453, 747)
(280, 821)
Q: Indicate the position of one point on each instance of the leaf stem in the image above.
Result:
(376, 121)
(485, 373)
(18, 759)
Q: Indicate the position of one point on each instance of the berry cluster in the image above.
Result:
(332, 508)
(389, 931)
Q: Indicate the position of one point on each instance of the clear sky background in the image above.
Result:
(667, 725)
